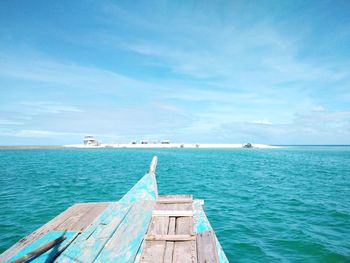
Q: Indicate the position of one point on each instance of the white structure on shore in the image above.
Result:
(89, 140)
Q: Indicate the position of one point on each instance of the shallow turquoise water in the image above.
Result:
(277, 205)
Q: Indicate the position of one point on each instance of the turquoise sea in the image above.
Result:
(266, 205)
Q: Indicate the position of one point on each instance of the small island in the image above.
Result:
(90, 142)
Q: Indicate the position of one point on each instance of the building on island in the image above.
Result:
(144, 142)
(165, 142)
(89, 140)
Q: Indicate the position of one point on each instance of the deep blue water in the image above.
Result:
(266, 205)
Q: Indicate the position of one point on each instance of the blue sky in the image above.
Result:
(274, 72)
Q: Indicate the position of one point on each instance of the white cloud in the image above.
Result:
(318, 108)
(77, 136)
(39, 68)
(49, 107)
(203, 73)
(192, 94)
(169, 107)
(262, 122)
(43, 133)
(9, 122)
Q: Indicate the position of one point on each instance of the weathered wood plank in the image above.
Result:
(170, 237)
(159, 225)
(125, 242)
(166, 197)
(206, 248)
(79, 211)
(51, 225)
(88, 218)
(201, 224)
(102, 235)
(49, 254)
(82, 218)
(169, 247)
(184, 252)
(172, 223)
(89, 244)
(174, 206)
(174, 201)
(184, 226)
(154, 250)
(153, 165)
(176, 213)
(144, 189)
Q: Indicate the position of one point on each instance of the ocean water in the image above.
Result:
(265, 205)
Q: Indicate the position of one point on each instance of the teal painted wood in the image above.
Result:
(49, 255)
(144, 189)
(201, 224)
(89, 244)
(126, 241)
(139, 252)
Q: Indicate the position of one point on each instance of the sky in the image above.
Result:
(274, 72)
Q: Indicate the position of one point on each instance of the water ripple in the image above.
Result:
(278, 205)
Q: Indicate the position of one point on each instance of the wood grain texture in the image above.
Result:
(83, 217)
(184, 226)
(144, 189)
(184, 251)
(89, 244)
(174, 197)
(206, 248)
(154, 250)
(176, 213)
(79, 212)
(174, 201)
(174, 206)
(178, 244)
(169, 246)
(201, 224)
(170, 237)
(159, 225)
(53, 224)
(125, 242)
(40, 245)
(88, 218)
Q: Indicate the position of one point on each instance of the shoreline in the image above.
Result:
(174, 145)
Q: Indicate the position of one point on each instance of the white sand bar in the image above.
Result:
(170, 145)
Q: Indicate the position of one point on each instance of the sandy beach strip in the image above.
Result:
(172, 145)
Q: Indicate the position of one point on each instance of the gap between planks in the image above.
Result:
(174, 213)
(60, 223)
(170, 237)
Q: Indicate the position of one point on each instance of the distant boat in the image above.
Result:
(89, 140)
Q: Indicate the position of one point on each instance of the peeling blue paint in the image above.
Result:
(202, 224)
(49, 255)
(144, 189)
(133, 213)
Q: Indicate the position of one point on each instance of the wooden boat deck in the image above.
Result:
(170, 236)
(76, 218)
(141, 227)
